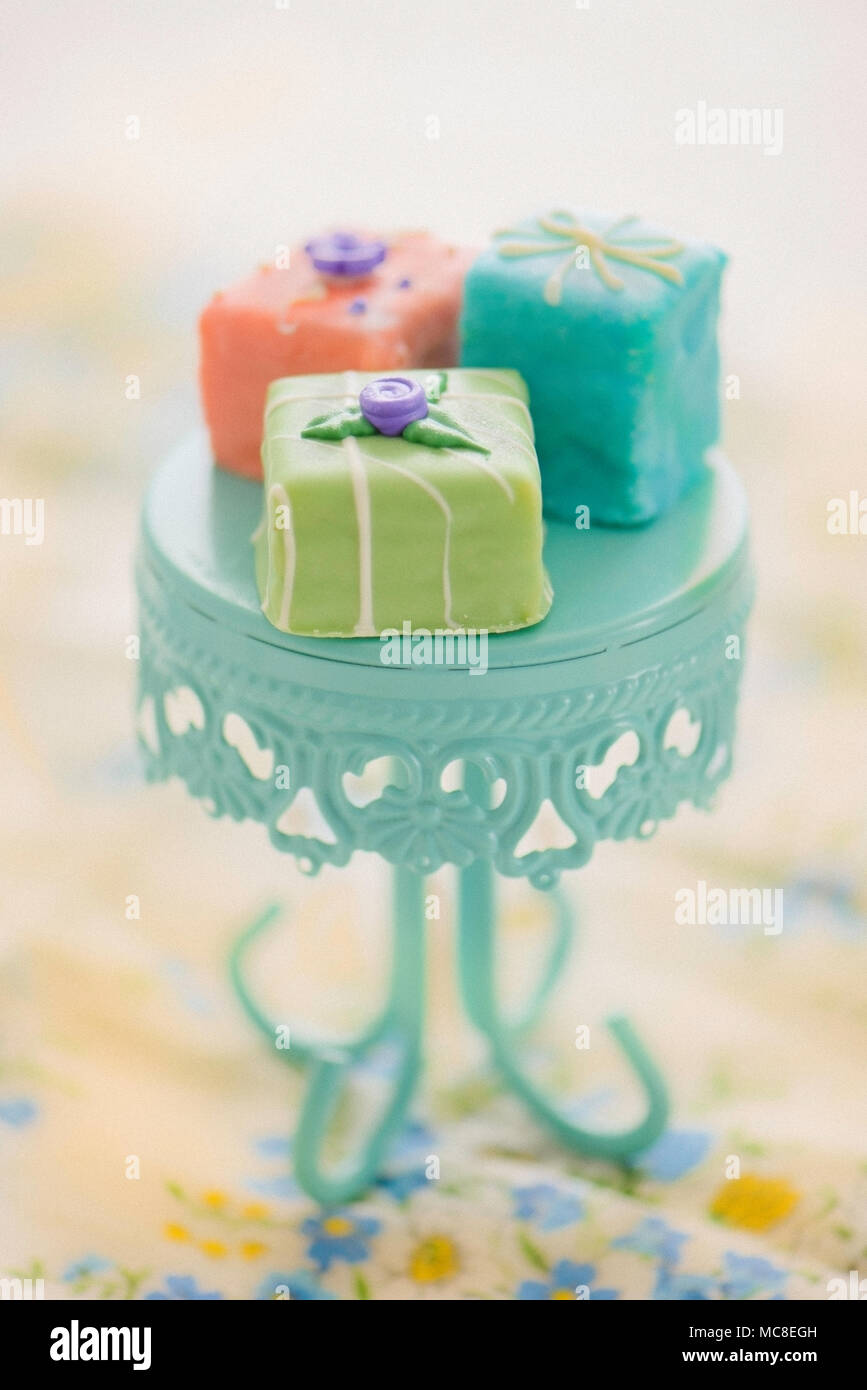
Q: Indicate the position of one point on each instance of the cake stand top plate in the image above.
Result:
(646, 625)
(612, 587)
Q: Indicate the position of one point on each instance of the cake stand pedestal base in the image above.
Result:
(400, 1026)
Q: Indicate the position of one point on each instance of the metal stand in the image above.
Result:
(646, 629)
(400, 1024)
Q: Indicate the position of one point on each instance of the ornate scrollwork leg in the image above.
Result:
(331, 1066)
(477, 957)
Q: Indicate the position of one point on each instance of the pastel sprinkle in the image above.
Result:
(404, 284)
(358, 306)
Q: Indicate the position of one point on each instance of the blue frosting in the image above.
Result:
(624, 383)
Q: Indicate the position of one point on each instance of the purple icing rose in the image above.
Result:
(344, 254)
(392, 402)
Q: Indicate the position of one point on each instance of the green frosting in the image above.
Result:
(364, 532)
(439, 431)
(436, 430)
(340, 424)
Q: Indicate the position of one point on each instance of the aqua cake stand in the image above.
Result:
(646, 624)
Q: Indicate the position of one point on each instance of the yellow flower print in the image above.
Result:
(221, 1225)
(214, 1199)
(754, 1203)
(255, 1211)
(337, 1226)
(434, 1259)
(252, 1249)
(215, 1248)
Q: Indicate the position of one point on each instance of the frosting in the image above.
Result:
(392, 402)
(292, 319)
(623, 373)
(364, 627)
(559, 230)
(390, 528)
(440, 431)
(396, 405)
(346, 255)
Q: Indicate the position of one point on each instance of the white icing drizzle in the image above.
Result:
(447, 513)
(361, 492)
(364, 627)
(486, 376)
(470, 456)
(319, 396)
(278, 497)
(527, 447)
(485, 396)
(272, 439)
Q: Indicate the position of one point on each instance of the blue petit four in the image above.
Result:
(612, 324)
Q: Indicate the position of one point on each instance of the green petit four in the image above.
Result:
(408, 499)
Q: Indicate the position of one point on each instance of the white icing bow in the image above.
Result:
(600, 248)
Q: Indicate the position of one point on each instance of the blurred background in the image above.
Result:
(153, 153)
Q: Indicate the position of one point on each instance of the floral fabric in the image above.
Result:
(145, 1131)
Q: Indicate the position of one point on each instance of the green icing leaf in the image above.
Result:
(338, 424)
(439, 431)
(436, 431)
(434, 385)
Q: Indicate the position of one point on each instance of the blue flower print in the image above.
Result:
(747, 1275)
(274, 1146)
(696, 1288)
(301, 1287)
(338, 1235)
(565, 1278)
(405, 1169)
(674, 1154)
(415, 1140)
(653, 1237)
(831, 900)
(17, 1112)
(182, 1288)
(281, 1184)
(80, 1269)
(548, 1207)
(401, 1185)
